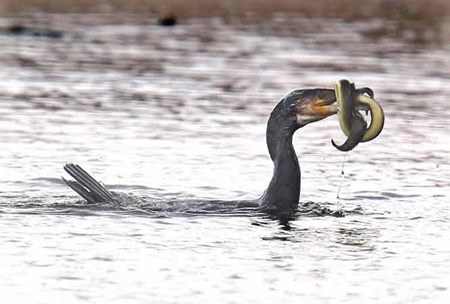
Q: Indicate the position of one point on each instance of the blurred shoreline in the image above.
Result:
(347, 9)
(418, 21)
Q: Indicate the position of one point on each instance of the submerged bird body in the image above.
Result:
(281, 197)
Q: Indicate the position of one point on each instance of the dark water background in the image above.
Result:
(178, 115)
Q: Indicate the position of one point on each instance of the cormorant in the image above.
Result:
(281, 197)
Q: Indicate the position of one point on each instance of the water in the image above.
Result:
(178, 116)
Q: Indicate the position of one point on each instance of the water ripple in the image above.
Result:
(175, 119)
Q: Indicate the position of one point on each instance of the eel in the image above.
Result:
(357, 131)
(377, 114)
(349, 101)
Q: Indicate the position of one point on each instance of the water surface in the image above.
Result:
(178, 116)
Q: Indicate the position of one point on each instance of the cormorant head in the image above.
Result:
(302, 107)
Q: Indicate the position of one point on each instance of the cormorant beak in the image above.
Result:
(324, 107)
(320, 104)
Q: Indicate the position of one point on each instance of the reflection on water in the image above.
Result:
(177, 116)
(362, 238)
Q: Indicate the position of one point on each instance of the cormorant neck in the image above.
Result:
(282, 195)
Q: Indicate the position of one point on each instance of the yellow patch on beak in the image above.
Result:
(323, 108)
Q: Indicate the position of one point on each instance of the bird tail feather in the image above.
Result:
(87, 186)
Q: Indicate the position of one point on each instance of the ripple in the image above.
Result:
(176, 123)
